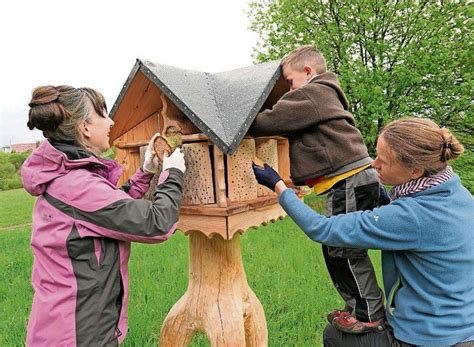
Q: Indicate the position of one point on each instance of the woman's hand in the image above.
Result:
(150, 164)
(176, 160)
(266, 176)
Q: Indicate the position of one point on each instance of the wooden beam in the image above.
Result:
(185, 138)
(284, 160)
(237, 207)
(140, 134)
(219, 177)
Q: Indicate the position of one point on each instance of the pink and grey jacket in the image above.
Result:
(82, 229)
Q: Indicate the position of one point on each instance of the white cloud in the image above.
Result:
(95, 44)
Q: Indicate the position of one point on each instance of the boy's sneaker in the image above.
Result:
(351, 325)
(336, 314)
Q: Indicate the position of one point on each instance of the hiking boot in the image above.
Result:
(336, 314)
(351, 325)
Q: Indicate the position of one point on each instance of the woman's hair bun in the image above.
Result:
(451, 148)
(43, 95)
(46, 112)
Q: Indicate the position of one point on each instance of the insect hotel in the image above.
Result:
(208, 116)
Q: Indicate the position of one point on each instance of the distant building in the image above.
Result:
(22, 147)
(6, 148)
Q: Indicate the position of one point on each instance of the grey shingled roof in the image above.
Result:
(222, 105)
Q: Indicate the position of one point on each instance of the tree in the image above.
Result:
(9, 177)
(17, 159)
(394, 58)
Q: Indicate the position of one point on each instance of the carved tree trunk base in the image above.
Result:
(218, 301)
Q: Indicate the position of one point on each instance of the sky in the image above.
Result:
(95, 43)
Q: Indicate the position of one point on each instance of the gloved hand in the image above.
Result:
(176, 160)
(266, 176)
(151, 162)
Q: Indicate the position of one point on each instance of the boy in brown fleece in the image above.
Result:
(327, 153)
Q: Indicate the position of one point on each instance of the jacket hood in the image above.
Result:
(47, 163)
(330, 79)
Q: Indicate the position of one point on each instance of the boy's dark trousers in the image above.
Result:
(350, 268)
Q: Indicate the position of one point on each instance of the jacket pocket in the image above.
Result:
(309, 161)
(82, 249)
(391, 297)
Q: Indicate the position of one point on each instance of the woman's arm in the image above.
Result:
(391, 227)
(138, 184)
(102, 210)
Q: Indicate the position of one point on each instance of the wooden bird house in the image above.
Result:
(212, 114)
(208, 115)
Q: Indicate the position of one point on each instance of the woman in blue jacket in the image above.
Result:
(425, 234)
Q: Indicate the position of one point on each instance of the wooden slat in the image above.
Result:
(219, 177)
(238, 207)
(267, 151)
(141, 100)
(231, 209)
(140, 134)
(241, 182)
(284, 159)
(266, 138)
(184, 138)
(130, 161)
(129, 157)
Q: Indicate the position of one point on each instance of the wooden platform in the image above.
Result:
(235, 217)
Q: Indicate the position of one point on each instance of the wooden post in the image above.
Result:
(218, 301)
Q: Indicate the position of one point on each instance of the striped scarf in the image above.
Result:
(422, 183)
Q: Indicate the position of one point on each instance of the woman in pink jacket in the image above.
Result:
(83, 224)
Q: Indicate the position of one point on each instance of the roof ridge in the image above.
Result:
(211, 79)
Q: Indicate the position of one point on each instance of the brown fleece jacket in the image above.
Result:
(321, 131)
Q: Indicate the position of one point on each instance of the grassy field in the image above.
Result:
(284, 268)
(15, 208)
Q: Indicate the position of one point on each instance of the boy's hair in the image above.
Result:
(305, 55)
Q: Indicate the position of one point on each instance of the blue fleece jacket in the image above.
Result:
(427, 243)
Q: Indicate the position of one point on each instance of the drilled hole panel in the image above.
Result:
(241, 181)
(198, 183)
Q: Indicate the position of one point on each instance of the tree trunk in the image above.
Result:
(218, 301)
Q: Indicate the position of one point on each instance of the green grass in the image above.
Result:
(15, 207)
(15, 289)
(284, 268)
